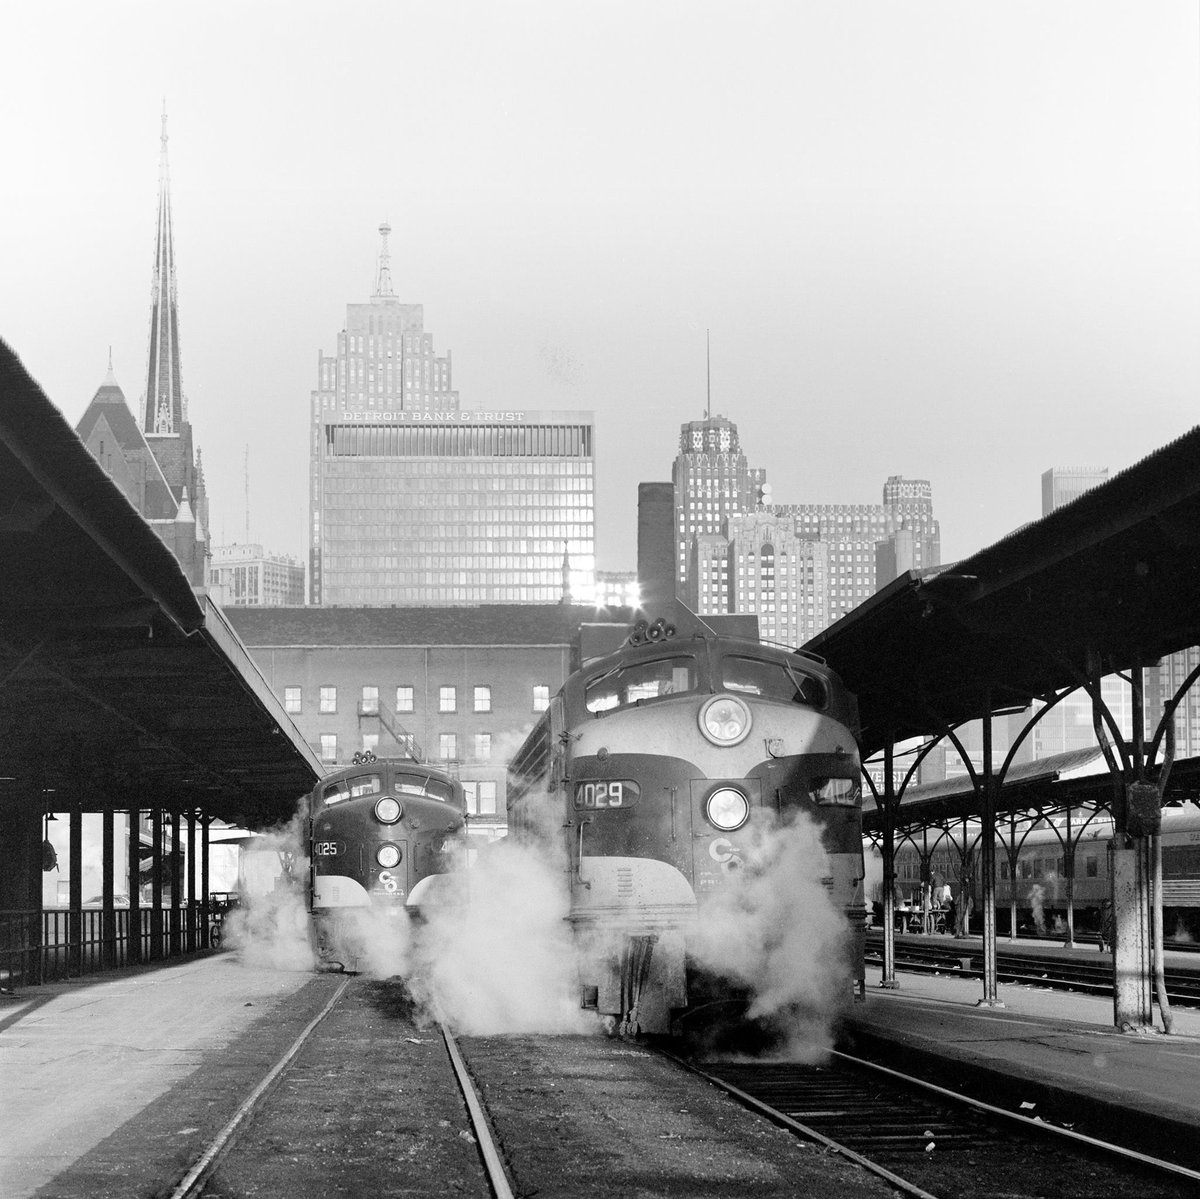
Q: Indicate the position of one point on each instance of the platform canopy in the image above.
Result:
(1116, 572)
(119, 685)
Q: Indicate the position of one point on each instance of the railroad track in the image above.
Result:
(932, 1143)
(1075, 974)
(226, 1166)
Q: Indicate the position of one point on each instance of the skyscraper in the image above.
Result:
(797, 566)
(153, 459)
(1062, 484)
(417, 502)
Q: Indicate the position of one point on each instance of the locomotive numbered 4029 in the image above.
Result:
(382, 835)
(658, 764)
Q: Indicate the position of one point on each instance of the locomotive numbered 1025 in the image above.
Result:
(659, 764)
(382, 833)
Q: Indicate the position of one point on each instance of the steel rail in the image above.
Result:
(1038, 1127)
(804, 1130)
(492, 1161)
(194, 1180)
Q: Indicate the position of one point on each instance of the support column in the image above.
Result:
(133, 950)
(156, 886)
(176, 938)
(75, 910)
(108, 917)
(205, 938)
(1069, 872)
(193, 908)
(987, 864)
(889, 871)
(1132, 979)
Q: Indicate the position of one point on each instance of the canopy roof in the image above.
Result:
(119, 686)
(1116, 572)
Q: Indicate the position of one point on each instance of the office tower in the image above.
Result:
(1069, 725)
(415, 501)
(799, 567)
(1062, 484)
(712, 481)
(153, 460)
(245, 576)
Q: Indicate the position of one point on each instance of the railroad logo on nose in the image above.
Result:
(723, 851)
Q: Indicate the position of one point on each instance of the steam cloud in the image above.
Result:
(780, 934)
(492, 954)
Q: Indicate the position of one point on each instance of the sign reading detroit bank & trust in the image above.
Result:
(407, 416)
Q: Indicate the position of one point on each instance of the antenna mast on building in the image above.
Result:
(707, 376)
(383, 281)
(246, 468)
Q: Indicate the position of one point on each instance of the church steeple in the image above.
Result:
(162, 407)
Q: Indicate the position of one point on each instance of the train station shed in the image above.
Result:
(122, 690)
(1106, 584)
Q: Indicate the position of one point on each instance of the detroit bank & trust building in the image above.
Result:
(414, 501)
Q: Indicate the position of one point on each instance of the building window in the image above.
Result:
(448, 747)
(447, 699)
(483, 747)
(408, 744)
(291, 700)
(328, 699)
(370, 701)
(370, 742)
(329, 747)
(483, 699)
(541, 696)
(487, 798)
(404, 698)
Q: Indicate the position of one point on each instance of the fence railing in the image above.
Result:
(54, 944)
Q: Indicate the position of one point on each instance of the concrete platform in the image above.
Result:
(1056, 1050)
(80, 1059)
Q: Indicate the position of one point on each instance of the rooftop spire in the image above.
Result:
(162, 408)
(383, 277)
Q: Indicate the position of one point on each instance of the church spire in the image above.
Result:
(383, 277)
(162, 408)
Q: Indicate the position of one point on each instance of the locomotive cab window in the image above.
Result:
(422, 784)
(628, 685)
(771, 680)
(354, 788)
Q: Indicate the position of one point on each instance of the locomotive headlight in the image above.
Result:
(388, 855)
(727, 808)
(725, 720)
(388, 810)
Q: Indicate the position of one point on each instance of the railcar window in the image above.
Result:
(631, 684)
(772, 680)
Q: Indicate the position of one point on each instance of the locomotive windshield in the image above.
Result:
(771, 680)
(626, 685)
(424, 784)
(362, 784)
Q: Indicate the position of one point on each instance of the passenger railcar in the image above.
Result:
(382, 833)
(652, 770)
(1038, 886)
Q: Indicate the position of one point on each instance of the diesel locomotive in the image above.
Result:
(383, 834)
(653, 775)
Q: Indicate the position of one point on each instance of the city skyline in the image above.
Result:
(964, 292)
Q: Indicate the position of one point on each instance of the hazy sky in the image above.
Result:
(956, 241)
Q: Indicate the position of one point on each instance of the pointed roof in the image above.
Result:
(109, 405)
(162, 407)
